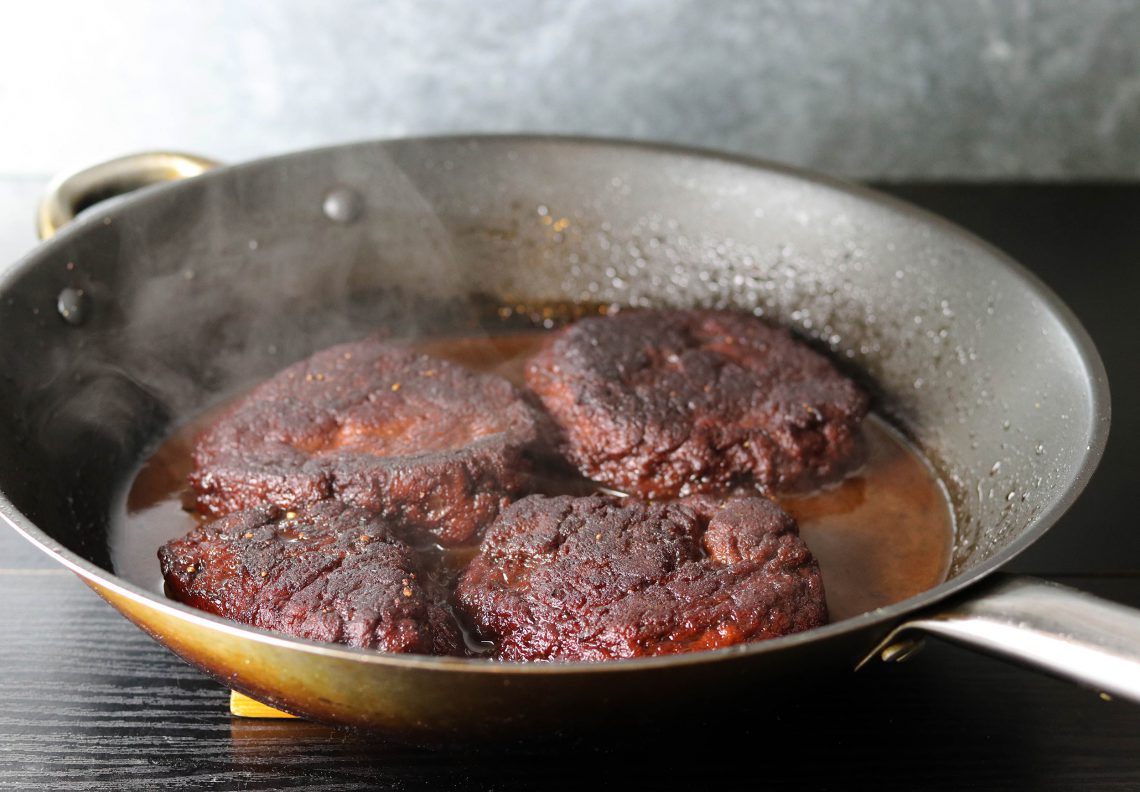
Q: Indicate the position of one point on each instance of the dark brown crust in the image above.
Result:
(418, 440)
(673, 402)
(330, 572)
(595, 579)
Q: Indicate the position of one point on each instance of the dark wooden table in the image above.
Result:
(87, 702)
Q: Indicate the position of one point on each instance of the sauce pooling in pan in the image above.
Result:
(881, 535)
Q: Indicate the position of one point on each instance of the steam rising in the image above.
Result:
(207, 287)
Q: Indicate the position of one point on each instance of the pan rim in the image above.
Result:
(1096, 434)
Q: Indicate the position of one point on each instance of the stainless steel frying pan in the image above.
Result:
(140, 313)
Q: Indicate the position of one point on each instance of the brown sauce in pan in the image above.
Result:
(881, 535)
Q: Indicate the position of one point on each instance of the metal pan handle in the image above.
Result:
(1055, 628)
(71, 193)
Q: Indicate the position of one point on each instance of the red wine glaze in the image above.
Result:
(881, 535)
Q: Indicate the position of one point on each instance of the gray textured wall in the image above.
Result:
(866, 88)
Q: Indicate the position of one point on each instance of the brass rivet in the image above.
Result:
(900, 652)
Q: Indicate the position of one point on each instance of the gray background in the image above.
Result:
(887, 89)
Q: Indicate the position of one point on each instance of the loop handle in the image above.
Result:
(1060, 630)
(71, 193)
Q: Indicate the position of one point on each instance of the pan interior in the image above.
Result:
(194, 290)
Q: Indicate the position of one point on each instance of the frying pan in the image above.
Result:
(146, 310)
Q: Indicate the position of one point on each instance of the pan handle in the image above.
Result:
(1055, 628)
(71, 193)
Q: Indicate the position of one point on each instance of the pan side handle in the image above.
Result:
(1054, 628)
(71, 193)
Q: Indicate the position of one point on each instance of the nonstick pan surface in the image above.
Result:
(142, 313)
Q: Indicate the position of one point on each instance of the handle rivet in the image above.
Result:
(72, 305)
(342, 205)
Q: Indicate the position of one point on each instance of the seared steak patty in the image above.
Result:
(328, 572)
(420, 441)
(673, 402)
(593, 578)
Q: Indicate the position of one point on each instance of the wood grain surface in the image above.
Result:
(90, 703)
(87, 702)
